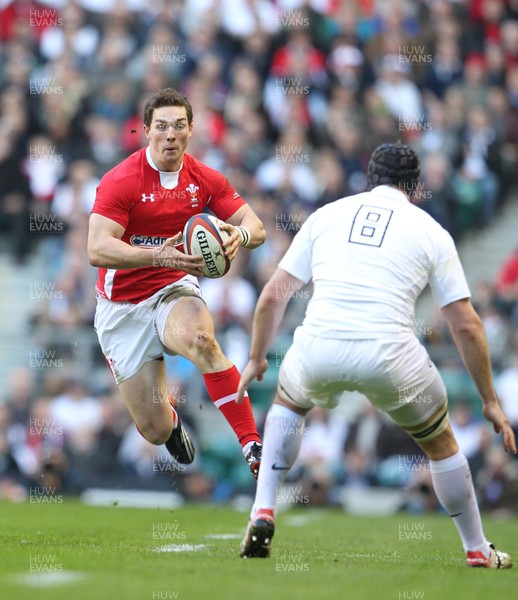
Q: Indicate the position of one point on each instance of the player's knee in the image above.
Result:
(442, 446)
(204, 346)
(154, 433)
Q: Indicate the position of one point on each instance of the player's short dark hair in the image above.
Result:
(394, 164)
(166, 97)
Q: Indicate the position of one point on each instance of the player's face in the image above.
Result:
(168, 135)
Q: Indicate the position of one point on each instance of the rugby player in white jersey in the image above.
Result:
(148, 298)
(370, 256)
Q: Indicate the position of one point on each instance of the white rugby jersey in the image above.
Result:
(370, 256)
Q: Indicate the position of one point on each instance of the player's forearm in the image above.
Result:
(267, 318)
(471, 342)
(255, 229)
(112, 253)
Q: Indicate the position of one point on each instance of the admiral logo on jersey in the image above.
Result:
(147, 240)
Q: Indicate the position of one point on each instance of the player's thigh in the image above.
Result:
(424, 416)
(146, 396)
(187, 315)
(127, 336)
(189, 329)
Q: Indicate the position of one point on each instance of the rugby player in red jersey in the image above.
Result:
(148, 297)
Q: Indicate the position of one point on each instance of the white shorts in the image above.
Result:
(396, 374)
(131, 335)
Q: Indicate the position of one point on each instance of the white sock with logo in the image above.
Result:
(281, 444)
(454, 488)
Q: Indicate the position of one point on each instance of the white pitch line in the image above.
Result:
(299, 520)
(181, 548)
(48, 579)
(223, 536)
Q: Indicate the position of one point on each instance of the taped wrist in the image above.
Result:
(245, 235)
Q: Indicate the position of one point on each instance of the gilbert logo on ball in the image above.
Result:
(203, 237)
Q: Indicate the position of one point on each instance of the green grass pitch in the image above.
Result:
(77, 552)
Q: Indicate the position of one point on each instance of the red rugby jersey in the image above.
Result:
(133, 195)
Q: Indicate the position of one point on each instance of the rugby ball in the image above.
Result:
(203, 237)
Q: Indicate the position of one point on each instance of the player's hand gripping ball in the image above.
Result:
(203, 237)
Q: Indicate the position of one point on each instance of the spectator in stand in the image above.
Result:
(320, 460)
(75, 36)
(473, 85)
(255, 130)
(479, 161)
(115, 421)
(347, 66)
(361, 441)
(14, 199)
(244, 95)
(331, 177)
(399, 93)
(438, 136)
(288, 174)
(510, 146)
(486, 16)
(74, 197)
(104, 142)
(114, 101)
(471, 433)
(163, 49)
(507, 279)
(323, 442)
(455, 106)
(41, 452)
(44, 167)
(437, 197)
(297, 81)
(494, 56)
(75, 411)
(498, 483)
(15, 117)
(347, 138)
(509, 39)
(12, 481)
(445, 67)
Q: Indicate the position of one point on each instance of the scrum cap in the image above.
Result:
(394, 164)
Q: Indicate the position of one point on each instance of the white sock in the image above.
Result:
(454, 488)
(281, 444)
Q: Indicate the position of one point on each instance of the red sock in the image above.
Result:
(173, 408)
(222, 388)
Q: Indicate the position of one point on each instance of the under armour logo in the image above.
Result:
(151, 197)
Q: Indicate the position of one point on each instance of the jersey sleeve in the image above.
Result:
(447, 279)
(224, 200)
(297, 260)
(114, 201)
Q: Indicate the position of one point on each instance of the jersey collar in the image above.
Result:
(168, 179)
(152, 164)
(391, 192)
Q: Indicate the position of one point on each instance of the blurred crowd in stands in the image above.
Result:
(289, 98)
